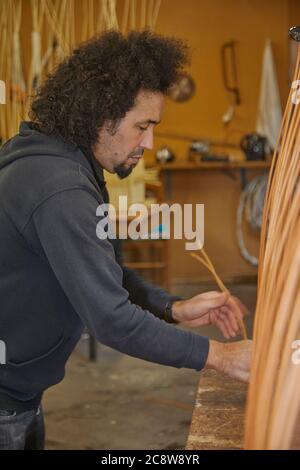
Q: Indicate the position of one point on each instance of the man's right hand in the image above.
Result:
(234, 359)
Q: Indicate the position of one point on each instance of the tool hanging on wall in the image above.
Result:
(183, 89)
(229, 73)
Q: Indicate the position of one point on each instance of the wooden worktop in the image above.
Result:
(219, 414)
(218, 417)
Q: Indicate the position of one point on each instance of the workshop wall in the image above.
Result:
(206, 25)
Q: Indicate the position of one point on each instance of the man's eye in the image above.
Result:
(143, 128)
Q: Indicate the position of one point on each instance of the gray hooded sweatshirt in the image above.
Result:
(57, 276)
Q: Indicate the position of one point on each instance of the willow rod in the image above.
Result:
(205, 260)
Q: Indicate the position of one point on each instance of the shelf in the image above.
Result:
(184, 166)
(146, 265)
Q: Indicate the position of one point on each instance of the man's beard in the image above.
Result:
(124, 171)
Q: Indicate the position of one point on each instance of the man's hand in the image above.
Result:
(234, 359)
(220, 309)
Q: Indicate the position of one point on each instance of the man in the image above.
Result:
(96, 111)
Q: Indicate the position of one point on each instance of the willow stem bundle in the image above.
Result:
(273, 399)
(146, 10)
(54, 35)
(205, 260)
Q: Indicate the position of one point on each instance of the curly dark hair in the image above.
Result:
(99, 83)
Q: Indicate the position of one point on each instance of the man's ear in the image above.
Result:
(112, 126)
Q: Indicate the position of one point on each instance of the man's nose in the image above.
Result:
(147, 141)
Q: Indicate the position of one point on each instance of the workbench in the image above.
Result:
(218, 416)
(242, 166)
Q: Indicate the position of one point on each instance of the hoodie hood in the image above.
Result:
(31, 142)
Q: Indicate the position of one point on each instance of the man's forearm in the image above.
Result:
(145, 294)
(233, 359)
(215, 356)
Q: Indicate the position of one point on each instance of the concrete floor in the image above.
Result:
(121, 402)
